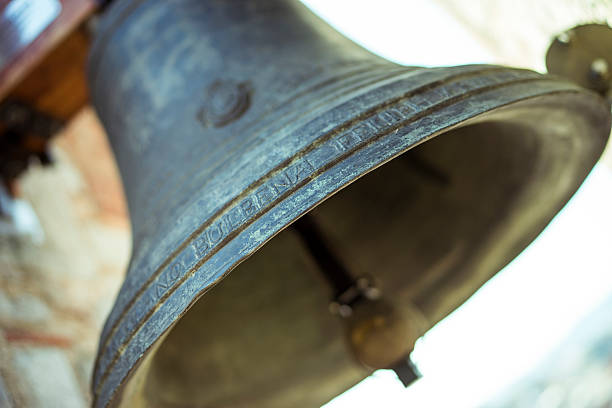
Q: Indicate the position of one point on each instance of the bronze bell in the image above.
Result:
(254, 139)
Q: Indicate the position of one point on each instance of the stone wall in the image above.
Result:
(56, 293)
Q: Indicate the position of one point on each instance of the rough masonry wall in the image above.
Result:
(55, 294)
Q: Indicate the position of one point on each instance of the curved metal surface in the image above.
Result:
(229, 120)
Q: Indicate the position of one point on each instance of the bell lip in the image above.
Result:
(534, 89)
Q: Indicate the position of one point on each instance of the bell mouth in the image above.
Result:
(429, 226)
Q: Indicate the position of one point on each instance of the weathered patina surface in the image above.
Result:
(231, 119)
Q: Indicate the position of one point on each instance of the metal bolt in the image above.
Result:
(372, 293)
(600, 68)
(565, 37)
(340, 309)
(345, 311)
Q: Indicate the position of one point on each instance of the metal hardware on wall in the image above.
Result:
(584, 55)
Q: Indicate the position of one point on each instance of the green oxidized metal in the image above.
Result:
(231, 119)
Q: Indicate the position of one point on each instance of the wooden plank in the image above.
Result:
(73, 13)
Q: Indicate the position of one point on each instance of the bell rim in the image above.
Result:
(551, 87)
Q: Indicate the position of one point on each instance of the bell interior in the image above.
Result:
(430, 226)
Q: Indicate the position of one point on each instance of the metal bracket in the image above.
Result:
(584, 55)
